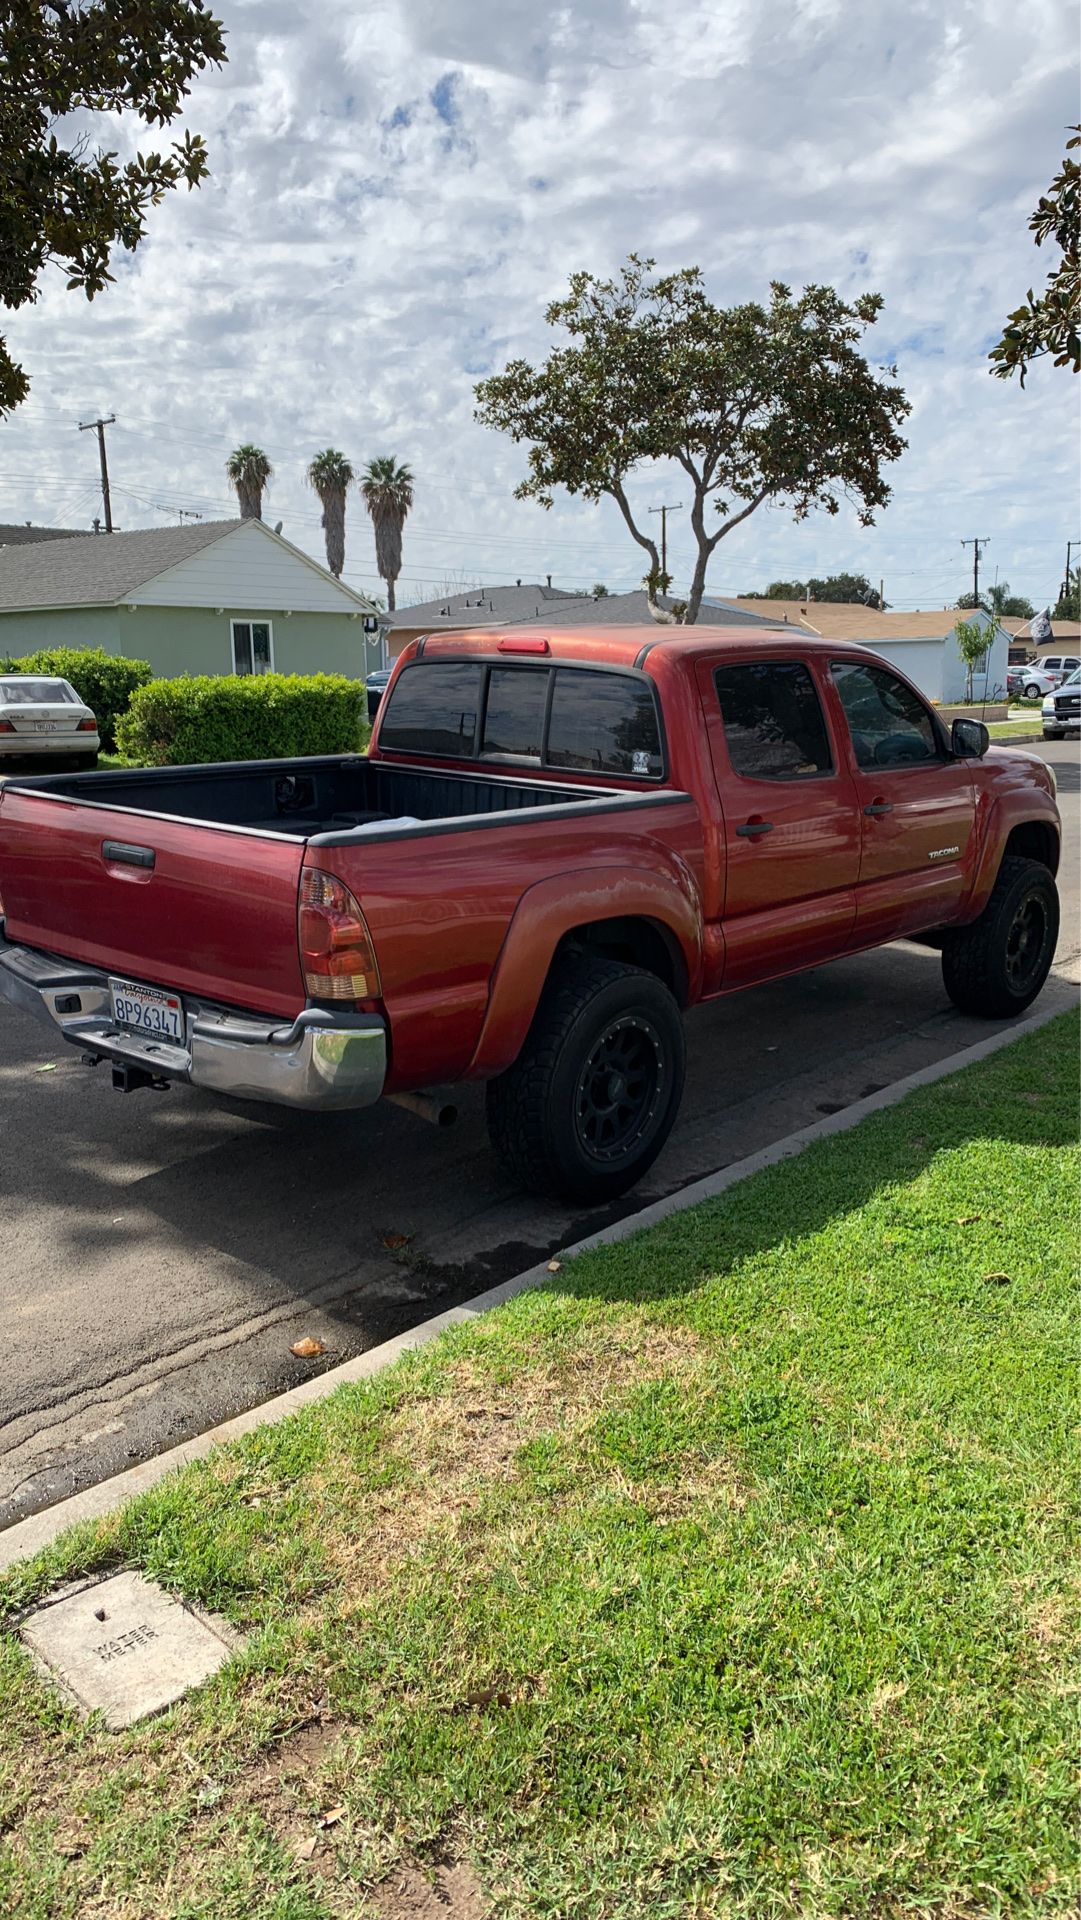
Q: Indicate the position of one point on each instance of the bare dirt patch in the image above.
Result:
(453, 1893)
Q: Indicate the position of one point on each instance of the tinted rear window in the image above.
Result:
(597, 722)
(604, 723)
(433, 709)
(773, 725)
(514, 715)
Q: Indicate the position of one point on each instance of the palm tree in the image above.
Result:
(330, 473)
(249, 470)
(388, 496)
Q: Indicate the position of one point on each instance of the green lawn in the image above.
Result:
(1016, 729)
(733, 1574)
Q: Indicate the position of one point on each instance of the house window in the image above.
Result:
(253, 646)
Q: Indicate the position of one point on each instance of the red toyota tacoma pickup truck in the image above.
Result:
(554, 845)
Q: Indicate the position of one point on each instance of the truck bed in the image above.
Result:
(303, 798)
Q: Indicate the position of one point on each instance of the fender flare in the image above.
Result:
(1001, 819)
(547, 912)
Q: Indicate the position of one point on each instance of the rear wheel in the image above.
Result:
(591, 1099)
(997, 966)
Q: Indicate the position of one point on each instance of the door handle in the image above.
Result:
(755, 827)
(119, 854)
(879, 806)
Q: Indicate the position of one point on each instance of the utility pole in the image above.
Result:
(98, 427)
(664, 513)
(976, 545)
(1070, 545)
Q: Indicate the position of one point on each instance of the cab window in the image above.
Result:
(889, 724)
(773, 722)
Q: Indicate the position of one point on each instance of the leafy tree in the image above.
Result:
(61, 202)
(847, 588)
(1000, 601)
(973, 639)
(850, 589)
(249, 470)
(1068, 604)
(599, 590)
(781, 590)
(331, 474)
(1052, 323)
(388, 496)
(754, 402)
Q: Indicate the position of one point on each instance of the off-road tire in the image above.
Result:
(535, 1109)
(980, 963)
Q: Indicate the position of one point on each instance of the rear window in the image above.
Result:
(433, 709)
(604, 723)
(579, 719)
(514, 713)
(34, 693)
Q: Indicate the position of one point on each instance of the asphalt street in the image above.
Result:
(160, 1253)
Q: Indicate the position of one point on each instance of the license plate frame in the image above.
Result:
(46, 726)
(130, 997)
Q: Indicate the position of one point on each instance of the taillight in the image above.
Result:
(336, 951)
(7, 726)
(87, 726)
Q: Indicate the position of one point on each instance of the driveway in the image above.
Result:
(159, 1253)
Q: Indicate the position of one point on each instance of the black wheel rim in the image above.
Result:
(1025, 943)
(618, 1094)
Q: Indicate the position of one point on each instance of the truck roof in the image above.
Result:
(616, 646)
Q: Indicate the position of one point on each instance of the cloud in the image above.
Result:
(397, 193)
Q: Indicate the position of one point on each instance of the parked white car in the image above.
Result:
(1059, 666)
(1028, 683)
(43, 718)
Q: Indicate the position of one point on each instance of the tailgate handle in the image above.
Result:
(118, 853)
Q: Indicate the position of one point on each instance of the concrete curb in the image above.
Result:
(39, 1530)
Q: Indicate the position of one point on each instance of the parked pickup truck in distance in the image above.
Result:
(555, 845)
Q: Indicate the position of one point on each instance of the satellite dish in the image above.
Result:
(278, 524)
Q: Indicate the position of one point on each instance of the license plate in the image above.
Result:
(45, 726)
(148, 1010)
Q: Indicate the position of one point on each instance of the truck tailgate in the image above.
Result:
(207, 910)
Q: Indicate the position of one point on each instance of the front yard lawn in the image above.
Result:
(732, 1574)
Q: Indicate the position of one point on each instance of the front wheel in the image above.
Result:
(590, 1101)
(997, 966)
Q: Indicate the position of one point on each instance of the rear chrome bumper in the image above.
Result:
(322, 1062)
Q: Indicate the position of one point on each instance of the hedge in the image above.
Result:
(267, 716)
(104, 681)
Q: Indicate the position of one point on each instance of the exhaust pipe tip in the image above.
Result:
(438, 1113)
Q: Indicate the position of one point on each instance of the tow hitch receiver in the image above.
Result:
(129, 1079)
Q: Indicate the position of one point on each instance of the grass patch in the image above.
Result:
(1016, 729)
(733, 1574)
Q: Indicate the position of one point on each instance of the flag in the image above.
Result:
(1040, 628)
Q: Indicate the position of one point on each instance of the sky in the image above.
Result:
(398, 190)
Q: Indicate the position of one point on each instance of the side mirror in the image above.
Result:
(969, 739)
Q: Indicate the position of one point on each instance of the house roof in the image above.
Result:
(98, 569)
(21, 534)
(844, 620)
(481, 607)
(551, 606)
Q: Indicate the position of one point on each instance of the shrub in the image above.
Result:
(103, 680)
(268, 716)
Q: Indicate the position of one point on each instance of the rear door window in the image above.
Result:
(514, 714)
(604, 723)
(774, 727)
(433, 710)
